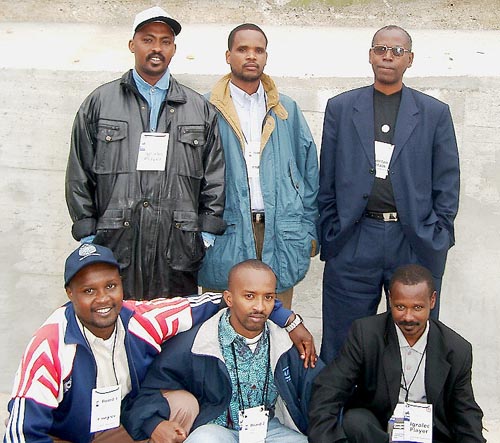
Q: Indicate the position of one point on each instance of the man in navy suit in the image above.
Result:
(389, 187)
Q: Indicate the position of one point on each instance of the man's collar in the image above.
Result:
(241, 96)
(227, 334)
(90, 337)
(163, 83)
(421, 343)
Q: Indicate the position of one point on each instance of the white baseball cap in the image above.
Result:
(155, 14)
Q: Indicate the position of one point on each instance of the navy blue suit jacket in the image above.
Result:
(424, 171)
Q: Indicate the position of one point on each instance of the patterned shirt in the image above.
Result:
(250, 372)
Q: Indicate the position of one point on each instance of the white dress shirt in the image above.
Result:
(251, 111)
(110, 357)
(411, 358)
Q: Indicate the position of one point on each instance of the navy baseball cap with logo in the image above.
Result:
(87, 254)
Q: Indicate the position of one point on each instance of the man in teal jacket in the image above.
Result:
(271, 172)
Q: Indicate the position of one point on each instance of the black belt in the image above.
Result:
(383, 216)
(258, 217)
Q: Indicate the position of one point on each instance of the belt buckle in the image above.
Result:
(258, 217)
(390, 216)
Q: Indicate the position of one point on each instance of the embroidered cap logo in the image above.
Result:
(87, 250)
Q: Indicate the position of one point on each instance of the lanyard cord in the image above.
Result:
(266, 381)
(112, 352)
(407, 387)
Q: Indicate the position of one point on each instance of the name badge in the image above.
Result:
(411, 422)
(383, 154)
(253, 425)
(153, 149)
(252, 158)
(105, 412)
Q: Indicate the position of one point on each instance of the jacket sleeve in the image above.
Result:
(29, 422)
(445, 173)
(80, 180)
(36, 390)
(466, 415)
(332, 389)
(212, 194)
(327, 201)
(161, 319)
(294, 384)
(171, 370)
(279, 314)
(310, 173)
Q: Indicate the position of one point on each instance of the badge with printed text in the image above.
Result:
(411, 422)
(105, 412)
(383, 154)
(252, 158)
(253, 425)
(153, 149)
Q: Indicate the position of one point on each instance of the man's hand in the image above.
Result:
(304, 342)
(168, 432)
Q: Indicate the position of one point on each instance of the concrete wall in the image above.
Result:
(37, 107)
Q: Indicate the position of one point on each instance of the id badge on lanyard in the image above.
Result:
(105, 411)
(253, 425)
(411, 422)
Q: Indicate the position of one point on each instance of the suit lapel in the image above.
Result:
(436, 366)
(362, 118)
(406, 122)
(392, 362)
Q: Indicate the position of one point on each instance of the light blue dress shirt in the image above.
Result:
(154, 95)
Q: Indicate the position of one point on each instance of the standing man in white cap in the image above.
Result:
(145, 174)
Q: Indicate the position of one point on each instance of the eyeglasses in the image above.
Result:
(397, 51)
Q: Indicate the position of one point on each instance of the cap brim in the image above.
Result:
(93, 262)
(174, 24)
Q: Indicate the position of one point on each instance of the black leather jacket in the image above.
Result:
(150, 219)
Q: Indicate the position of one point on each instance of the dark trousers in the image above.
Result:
(361, 426)
(353, 280)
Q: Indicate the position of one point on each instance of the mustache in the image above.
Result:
(408, 323)
(156, 54)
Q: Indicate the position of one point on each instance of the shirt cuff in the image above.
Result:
(208, 239)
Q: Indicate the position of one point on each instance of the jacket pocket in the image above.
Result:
(295, 250)
(112, 150)
(115, 232)
(190, 160)
(220, 258)
(297, 180)
(185, 249)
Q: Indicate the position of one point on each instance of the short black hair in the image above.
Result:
(252, 263)
(390, 28)
(410, 275)
(243, 27)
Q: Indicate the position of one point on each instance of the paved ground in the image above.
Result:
(98, 53)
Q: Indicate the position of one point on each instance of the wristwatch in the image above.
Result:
(296, 322)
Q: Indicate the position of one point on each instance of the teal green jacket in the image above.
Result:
(289, 181)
